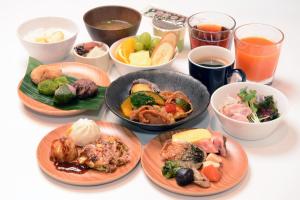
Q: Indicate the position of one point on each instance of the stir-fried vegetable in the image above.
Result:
(170, 108)
(140, 99)
(183, 104)
(170, 169)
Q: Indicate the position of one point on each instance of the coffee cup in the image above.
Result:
(214, 67)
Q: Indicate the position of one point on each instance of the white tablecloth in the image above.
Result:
(274, 163)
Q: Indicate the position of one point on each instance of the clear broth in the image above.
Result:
(113, 25)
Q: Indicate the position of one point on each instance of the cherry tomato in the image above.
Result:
(170, 108)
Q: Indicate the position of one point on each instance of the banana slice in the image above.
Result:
(170, 38)
(162, 53)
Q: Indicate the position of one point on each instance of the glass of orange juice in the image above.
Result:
(257, 50)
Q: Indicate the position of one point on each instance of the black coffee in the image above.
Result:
(211, 62)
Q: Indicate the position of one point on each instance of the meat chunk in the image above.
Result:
(63, 150)
(152, 115)
(155, 117)
(135, 113)
(106, 154)
(85, 88)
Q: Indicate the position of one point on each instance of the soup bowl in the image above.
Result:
(93, 17)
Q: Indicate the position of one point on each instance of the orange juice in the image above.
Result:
(257, 57)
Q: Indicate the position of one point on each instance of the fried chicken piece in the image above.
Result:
(42, 73)
(63, 150)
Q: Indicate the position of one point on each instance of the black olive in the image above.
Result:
(184, 176)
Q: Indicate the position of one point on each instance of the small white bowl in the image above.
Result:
(124, 68)
(48, 52)
(247, 130)
(101, 62)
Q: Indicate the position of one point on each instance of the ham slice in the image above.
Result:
(237, 111)
(239, 117)
(219, 142)
(216, 144)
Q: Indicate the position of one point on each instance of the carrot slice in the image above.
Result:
(212, 173)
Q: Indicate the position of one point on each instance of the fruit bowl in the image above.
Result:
(125, 68)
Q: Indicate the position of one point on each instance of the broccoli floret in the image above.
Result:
(170, 169)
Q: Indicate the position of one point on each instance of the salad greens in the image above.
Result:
(267, 109)
(262, 111)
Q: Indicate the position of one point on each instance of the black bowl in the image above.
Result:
(166, 80)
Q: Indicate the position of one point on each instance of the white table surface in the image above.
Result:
(274, 163)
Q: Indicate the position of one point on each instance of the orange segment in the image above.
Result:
(125, 48)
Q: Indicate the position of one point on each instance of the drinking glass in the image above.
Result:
(211, 28)
(257, 50)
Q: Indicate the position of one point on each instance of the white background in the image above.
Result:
(274, 163)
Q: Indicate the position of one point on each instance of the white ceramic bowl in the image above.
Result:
(247, 130)
(49, 52)
(101, 62)
(124, 68)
